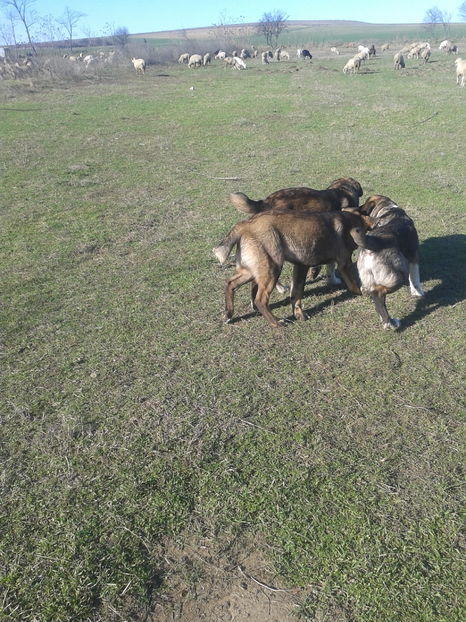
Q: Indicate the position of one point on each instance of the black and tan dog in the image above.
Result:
(388, 256)
(341, 193)
(267, 240)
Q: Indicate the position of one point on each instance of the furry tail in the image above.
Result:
(224, 248)
(244, 204)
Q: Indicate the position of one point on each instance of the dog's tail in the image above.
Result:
(244, 204)
(224, 248)
(370, 242)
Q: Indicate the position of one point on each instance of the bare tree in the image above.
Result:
(462, 11)
(120, 36)
(68, 20)
(27, 17)
(271, 25)
(8, 30)
(434, 16)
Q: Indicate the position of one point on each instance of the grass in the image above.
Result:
(134, 421)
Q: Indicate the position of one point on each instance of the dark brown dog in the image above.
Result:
(266, 241)
(388, 257)
(341, 193)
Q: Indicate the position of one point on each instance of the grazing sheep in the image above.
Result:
(445, 45)
(453, 49)
(385, 47)
(139, 64)
(399, 61)
(334, 50)
(195, 60)
(306, 54)
(238, 63)
(221, 55)
(363, 49)
(245, 54)
(425, 54)
(277, 53)
(207, 59)
(254, 51)
(372, 50)
(284, 55)
(265, 58)
(184, 59)
(353, 65)
(298, 52)
(363, 55)
(460, 71)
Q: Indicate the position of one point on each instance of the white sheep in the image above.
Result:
(425, 54)
(353, 65)
(460, 71)
(195, 60)
(399, 61)
(89, 60)
(244, 54)
(238, 63)
(265, 58)
(220, 55)
(284, 55)
(207, 59)
(444, 45)
(335, 50)
(385, 47)
(139, 64)
(184, 59)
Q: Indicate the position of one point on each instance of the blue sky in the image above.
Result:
(153, 15)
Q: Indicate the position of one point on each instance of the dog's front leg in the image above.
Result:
(297, 291)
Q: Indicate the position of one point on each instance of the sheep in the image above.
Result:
(363, 55)
(278, 53)
(90, 60)
(385, 47)
(453, 49)
(444, 45)
(139, 64)
(254, 51)
(195, 60)
(284, 55)
(306, 54)
(265, 58)
(238, 63)
(245, 54)
(298, 52)
(220, 55)
(399, 61)
(425, 54)
(184, 59)
(353, 65)
(364, 49)
(334, 50)
(372, 50)
(460, 71)
(207, 59)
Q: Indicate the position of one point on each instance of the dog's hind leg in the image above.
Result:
(240, 277)
(331, 276)
(297, 291)
(261, 301)
(415, 281)
(346, 271)
(378, 296)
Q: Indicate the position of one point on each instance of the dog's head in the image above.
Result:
(377, 204)
(350, 189)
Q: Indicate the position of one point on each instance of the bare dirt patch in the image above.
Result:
(206, 582)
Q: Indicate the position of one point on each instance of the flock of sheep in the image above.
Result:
(417, 50)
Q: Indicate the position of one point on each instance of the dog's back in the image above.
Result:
(341, 193)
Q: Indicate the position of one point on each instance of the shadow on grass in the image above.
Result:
(441, 259)
(340, 296)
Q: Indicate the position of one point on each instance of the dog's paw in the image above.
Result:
(417, 293)
(393, 324)
(281, 289)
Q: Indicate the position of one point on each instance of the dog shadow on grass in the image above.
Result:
(340, 295)
(441, 259)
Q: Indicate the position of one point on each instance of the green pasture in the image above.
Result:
(135, 423)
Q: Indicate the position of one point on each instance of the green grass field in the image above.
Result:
(153, 457)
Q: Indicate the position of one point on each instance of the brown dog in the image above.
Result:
(266, 241)
(341, 193)
(388, 257)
